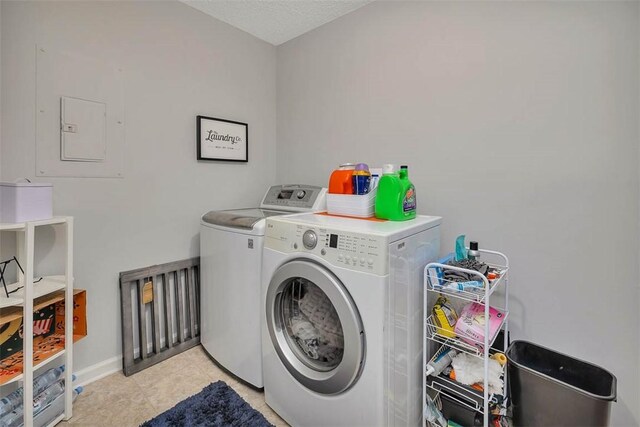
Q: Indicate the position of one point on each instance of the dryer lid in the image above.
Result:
(244, 219)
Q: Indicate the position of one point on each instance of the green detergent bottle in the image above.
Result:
(396, 196)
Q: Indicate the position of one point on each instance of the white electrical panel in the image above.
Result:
(82, 130)
(79, 115)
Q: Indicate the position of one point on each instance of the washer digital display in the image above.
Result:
(333, 241)
(285, 194)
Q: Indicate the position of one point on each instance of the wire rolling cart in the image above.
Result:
(441, 340)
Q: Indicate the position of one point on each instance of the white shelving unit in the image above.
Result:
(475, 400)
(24, 297)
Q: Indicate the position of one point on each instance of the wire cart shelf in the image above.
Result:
(470, 398)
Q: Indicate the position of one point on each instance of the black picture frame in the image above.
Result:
(224, 133)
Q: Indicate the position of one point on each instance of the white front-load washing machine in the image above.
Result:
(342, 332)
(230, 273)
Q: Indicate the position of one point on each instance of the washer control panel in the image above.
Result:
(356, 251)
(295, 196)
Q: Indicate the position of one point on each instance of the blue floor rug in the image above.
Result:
(216, 405)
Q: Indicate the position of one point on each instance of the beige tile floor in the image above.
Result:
(117, 400)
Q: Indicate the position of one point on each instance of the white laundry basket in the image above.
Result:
(25, 201)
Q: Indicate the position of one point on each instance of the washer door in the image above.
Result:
(315, 327)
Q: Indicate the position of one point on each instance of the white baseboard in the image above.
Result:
(99, 370)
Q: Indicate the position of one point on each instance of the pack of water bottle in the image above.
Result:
(47, 388)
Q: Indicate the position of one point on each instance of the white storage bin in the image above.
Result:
(25, 201)
(361, 206)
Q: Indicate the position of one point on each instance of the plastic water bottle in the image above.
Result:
(46, 397)
(45, 380)
(10, 402)
(15, 418)
(12, 419)
(46, 422)
(40, 383)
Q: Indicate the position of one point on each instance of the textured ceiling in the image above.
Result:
(276, 21)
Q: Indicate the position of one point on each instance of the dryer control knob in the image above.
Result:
(309, 239)
(300, 194)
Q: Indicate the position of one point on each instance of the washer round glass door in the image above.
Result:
(315, 327)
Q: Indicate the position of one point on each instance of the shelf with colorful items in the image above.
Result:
(466, 285)
(49, 333)
(30, 351)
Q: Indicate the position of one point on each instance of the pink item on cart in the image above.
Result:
(470, 326)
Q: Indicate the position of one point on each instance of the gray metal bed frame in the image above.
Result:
(179, 312)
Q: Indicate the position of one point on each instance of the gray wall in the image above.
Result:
(178, 63)
(519, 124)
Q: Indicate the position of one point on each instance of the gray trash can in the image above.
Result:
(553, 389)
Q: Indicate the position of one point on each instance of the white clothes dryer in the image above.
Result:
(230, 261)
(342, 333)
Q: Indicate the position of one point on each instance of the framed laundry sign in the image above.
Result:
(220, 139)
